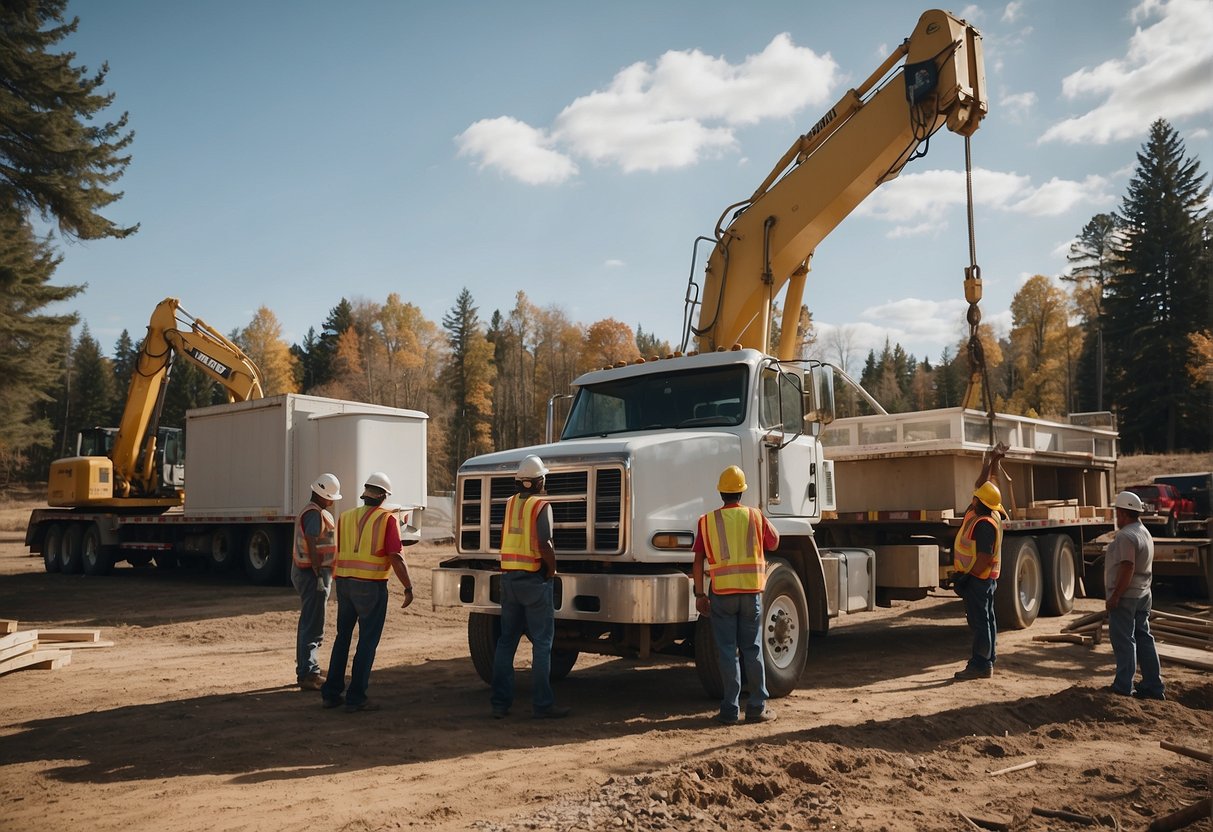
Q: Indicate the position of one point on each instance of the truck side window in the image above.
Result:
(792, 396)
(769, 409)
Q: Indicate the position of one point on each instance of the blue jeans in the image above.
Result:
(313, 593)
(978, 595)
(1132, 642)
(737, 625)
(526, 602)
(363, 603)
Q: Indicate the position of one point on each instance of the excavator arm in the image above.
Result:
(172, 332)
(862, 142)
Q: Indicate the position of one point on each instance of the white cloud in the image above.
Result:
(907, 199)
(1164, 74)
(1018, 104)
(614, 264)
(1011, 13)
(672, 114)
(517, 149)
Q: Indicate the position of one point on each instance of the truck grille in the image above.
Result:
(587, 510)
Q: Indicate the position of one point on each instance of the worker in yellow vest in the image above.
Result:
(731, 542)
(312, 558)
(368, 548)
(977, 561)
(528, 568)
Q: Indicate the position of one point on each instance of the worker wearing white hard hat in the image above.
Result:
(312, 557)
(730, 548)
(368, 551)
(1128, 571)
(528, 567)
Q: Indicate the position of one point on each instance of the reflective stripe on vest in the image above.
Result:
(964, 549)
(520, 533)
(361, 540)
(326, 541)
(732, 538)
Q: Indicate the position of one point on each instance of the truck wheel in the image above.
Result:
(785, 629)
(95, 558)
(483, 631)
(562, 663)
(225, 548)
(70, 560)
(707, 665)
(1017, 599)
(51, 544)
(263, 556)
(1061, 576)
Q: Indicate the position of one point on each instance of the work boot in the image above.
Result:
(333, 703)
(1149, 694)
(765, 715)
(973, 673)
(313, 681)
(726, 719)
(367, 705)
(554, 712)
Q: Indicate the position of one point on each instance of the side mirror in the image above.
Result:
(819, 395)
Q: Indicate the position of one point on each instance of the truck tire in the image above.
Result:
(225, 548)
(484, 630)
(1060, 573)
(263, 556)
(785, 629)
(1020, 585)
(95, 558)
(707, 665)
(52, 542)
(70, 560)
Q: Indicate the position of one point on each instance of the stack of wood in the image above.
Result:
(43, 649)
(1061, 510)
(1183, 639)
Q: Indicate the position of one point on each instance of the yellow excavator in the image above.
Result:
(120, 470)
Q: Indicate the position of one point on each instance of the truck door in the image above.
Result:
(789, 457)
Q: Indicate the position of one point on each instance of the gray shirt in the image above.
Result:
(1134, 544)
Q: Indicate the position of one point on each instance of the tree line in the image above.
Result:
(1126, 329)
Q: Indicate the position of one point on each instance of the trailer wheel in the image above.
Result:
(1017, 599)
(70, 560)
(52, 542)
(707, 665)
(785, 629)
(225, 548)
(1061, 576)
(263, 556)
(95, 558)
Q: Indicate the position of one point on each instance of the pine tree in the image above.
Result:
(468, 380)
(1159, 299)
(92, 395)
(1096, 258)
(123, 365)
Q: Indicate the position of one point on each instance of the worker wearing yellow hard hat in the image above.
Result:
(730, 543)
(977, 559)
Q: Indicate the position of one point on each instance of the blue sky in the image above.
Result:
(291, 154)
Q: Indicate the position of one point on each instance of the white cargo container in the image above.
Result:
(248, 468)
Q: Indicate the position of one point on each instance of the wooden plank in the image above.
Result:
(7, 625)
(1202, 644)
(57, 634)
(77, 645)
(1186, 656)
(1186, 619)
(38, 660)
(13, 639)
(28, 646)
(1085, 620)
(1066, 638)
(1187, 751)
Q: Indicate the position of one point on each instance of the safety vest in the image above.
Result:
(326, 541)
(520, 533)
(361, 541)
(732, 538)
(964, 550)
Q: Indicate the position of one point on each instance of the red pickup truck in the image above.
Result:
(1164, 505)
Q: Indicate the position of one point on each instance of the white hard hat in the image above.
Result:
(531, 468)
(378, 480)
(327, 486)
(1129, 502)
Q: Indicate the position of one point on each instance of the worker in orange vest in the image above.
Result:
(977, 561)
(731, 542)
(312, 559)
(528, 570)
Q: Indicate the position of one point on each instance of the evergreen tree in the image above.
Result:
(649, 344)
(54, 158)
(32, 354)
(123, 365)
(1095, 257)
(91, 393)
(468, 380)
(322, 356)
(1159, 299)
(305, 360)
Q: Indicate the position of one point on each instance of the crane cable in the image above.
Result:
(972, 286)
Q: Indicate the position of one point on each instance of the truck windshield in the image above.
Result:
(692, 398)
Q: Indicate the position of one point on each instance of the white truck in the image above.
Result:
(643, 444)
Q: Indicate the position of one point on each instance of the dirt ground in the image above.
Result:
(191, 722)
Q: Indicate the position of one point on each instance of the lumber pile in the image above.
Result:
(43, 649)
(1182, 639)
(1061, 510)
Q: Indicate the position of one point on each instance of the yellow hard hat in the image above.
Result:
(990, 497)
(732, 481)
